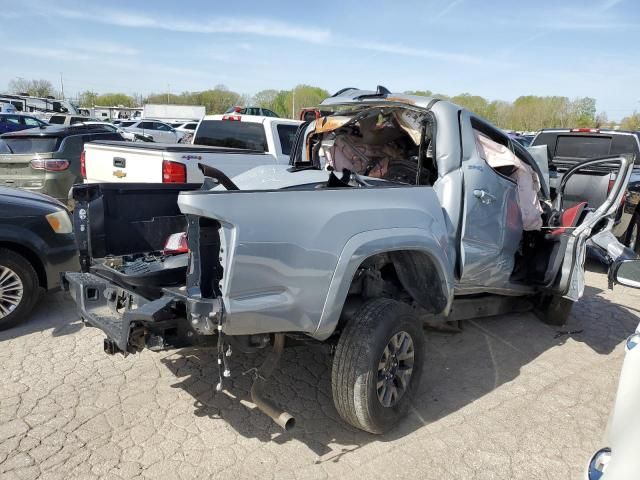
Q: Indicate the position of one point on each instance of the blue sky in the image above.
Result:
(498, 49)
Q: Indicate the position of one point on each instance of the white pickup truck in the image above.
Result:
(231, 143)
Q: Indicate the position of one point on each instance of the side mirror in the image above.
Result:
(626, 272)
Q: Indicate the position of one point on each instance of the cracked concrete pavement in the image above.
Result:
(503, 399)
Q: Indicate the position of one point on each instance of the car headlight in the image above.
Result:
(598, 464)
(60, 221)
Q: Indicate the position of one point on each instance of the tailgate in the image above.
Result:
(112, 219)
(16, 171)
(122, 164)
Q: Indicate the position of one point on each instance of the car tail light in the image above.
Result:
(237, 109)
(235, 118)
(173, 172)
(586, 130)
(176, 243)
(50, 165)
(83, 165)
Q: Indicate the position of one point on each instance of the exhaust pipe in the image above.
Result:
(258, 397)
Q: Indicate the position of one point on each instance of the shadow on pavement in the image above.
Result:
(53, 310)
(459, 369)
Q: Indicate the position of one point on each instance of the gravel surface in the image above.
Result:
(503, 399)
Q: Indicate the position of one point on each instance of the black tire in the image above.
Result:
(355, 373)
(632, 237)
(14, 265)
(553, 309)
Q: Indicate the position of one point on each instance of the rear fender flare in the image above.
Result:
(367, 244)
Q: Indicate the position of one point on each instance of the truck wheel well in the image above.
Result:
(32, 257)
(409, 276)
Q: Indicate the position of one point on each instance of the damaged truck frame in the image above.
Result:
(390, 213)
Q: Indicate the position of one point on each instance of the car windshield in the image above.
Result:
(22, 145)
(127, 124)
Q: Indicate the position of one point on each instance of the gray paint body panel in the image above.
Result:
(289, 255)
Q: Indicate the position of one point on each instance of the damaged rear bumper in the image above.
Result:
(133, 322)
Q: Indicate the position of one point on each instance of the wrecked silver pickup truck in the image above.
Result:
(394, 209)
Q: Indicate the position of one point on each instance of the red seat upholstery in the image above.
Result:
(570, 218)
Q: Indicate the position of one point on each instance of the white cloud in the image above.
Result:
(448, 8)
(99, 47)
(50, 53)
(609, 4)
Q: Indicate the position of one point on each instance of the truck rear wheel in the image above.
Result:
(377, 365)
(553, 309)
(18, 288)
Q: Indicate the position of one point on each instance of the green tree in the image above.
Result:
(632, 122)
(420, 93)
(584, 111)
(265, 98)
(115, 100)
(36, 88)
(306, 96)
(87, 99)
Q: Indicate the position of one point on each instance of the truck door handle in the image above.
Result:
(484, 196)
(119, 162)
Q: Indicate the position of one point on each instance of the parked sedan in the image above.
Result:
(36, 244)
(13, 122)
(158, 131)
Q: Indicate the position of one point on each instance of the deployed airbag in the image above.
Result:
(497, 155)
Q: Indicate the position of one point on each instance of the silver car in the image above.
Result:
(159, 132)
(395, 209)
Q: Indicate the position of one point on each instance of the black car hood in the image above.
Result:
(18, 196)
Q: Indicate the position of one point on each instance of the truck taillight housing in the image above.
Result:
(233, 118)
(83, 165)
(173, 172)
(176, 243)
(586, 130)
(49, 165)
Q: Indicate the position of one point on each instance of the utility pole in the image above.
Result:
(293, 107)
(61, 86)
(168, 91)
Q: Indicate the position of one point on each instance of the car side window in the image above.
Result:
(161, 126)
(31, 122)
(145, 125)
(13, 119)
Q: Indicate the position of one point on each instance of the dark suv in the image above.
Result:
(566, 147)
(36, 245)
(47, 160)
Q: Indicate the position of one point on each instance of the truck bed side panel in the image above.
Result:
(280, 250)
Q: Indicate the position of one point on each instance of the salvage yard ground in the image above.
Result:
(507, 398)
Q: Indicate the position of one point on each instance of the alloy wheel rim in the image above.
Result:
(395, 369)
(11, 291)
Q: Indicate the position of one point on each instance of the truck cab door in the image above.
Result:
(570, 278)
(491, 226)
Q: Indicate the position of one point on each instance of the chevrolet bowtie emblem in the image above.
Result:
(119, 174)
